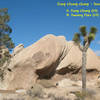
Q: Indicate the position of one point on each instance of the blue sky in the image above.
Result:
(32, 19)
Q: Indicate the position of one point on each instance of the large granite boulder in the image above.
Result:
(38, 60)
(73, 60)
(50, 55)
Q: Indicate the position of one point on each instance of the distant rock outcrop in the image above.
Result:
(17, 49)
(50, 55)
(73, 60)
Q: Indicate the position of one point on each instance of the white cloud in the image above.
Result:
(97, 52)
(98, 42)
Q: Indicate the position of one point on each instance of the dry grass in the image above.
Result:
(36, 91)
(89, 95)
(46, 83)
(53, 97)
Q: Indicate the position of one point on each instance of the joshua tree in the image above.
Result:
(83, 46)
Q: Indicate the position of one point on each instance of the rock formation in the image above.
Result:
(42, 60)
(17, 49)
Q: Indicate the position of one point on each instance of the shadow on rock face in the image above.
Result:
(47, 72)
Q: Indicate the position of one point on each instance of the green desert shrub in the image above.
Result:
(5, 57)
(36, 91)
(89, 95)
(1, 75)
